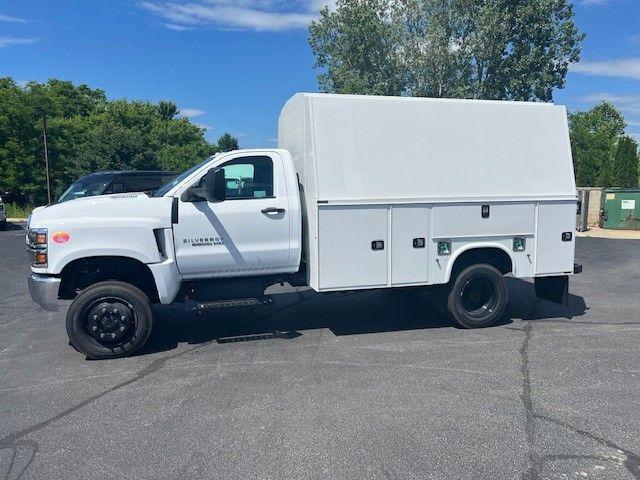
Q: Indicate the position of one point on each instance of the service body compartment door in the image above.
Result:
(348, 257)
(554, 251)
(409, 255)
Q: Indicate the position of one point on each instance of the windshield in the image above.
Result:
(88, 186)
(160, 192)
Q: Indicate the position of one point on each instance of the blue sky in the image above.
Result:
(231, 64)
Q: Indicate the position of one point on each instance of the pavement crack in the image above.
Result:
(32, 447)
(631, 459)
(534, 470)
(15, 439)
(536, 461)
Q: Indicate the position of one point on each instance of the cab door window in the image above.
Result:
(249, 177)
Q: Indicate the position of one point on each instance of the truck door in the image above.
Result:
(247, 233)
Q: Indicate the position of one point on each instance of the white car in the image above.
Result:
(362, 193)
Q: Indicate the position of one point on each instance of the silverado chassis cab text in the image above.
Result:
(362, 193)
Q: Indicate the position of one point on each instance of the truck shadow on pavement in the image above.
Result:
(350, 313)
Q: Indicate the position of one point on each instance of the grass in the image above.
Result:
(13, 210)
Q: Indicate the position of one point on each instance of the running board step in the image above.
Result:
(231, 303)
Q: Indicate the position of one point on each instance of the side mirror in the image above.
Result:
(213, 189)
(214, 185)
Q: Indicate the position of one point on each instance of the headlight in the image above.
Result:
(37, 237)
(37, 246)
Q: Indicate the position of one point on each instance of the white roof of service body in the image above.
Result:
(364, 148)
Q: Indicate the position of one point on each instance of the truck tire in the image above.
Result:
(477, 297)
(109, 319)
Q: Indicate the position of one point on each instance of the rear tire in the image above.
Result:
(3, 225)
(477, 297)
(109, 319)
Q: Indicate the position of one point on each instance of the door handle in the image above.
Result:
(269, 210)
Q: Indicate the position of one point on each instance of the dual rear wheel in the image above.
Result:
(476, 297)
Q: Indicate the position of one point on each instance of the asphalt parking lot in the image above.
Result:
(368, 385)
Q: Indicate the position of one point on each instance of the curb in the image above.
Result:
(595, 232)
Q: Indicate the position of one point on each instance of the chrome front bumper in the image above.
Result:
(44, 291)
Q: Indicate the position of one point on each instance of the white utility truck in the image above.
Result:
(362, 193)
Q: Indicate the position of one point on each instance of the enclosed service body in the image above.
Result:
(363, 192)
(398, 170)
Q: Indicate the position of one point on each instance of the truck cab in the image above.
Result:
(197, 227)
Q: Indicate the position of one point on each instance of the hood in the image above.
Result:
(115, 208)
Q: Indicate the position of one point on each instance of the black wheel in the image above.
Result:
(3, 225)
(477, 297)
(109, 319)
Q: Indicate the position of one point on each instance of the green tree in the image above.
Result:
(625, 163)
(594, 136)
(490, 49)
(86, 133)
(358, 45)
(167, 110)
(227, 142)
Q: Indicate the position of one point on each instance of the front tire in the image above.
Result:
(478, 297)
(109, 319)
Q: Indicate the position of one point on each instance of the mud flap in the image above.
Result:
(553, 289)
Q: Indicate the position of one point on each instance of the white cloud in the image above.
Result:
(6, 41)
(596, 2)
(259, 15)
(629, 104)
(623, 67)
(176, 28)
(191, 112)
(206, 127)
(9, 18)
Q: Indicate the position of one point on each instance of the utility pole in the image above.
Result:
(46, 152)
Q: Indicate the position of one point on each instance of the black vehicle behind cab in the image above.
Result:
(105, 183)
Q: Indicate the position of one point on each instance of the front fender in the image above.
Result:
(137, 242)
